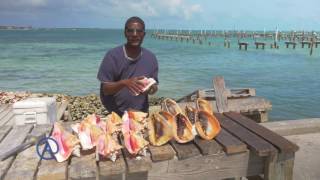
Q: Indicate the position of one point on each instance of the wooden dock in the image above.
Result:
(243, 39)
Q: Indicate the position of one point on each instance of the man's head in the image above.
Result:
(134, 31)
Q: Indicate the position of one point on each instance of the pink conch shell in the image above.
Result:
(131, 130)
(66, 141)
(147, 82)
(107, 145)
(134, 142)
(113, 123)
(89, 131)
(129, 124)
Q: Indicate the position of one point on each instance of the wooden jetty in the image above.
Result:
(244, 44)
(258, 44)
(243, 148)
(289, 38)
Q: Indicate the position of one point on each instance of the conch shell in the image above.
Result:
(171, 107)
(207, 125)
(66, 141)
(181, 127)
(203, 105)
(89, 131)
(113, 123)
(108, 146)
(160, 131)
(133, 138)
(134, 142)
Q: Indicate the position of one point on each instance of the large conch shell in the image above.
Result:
(131, 130)
(113, 123)
(207, 125)
(66, 141)
(181, 127)
(171, 107)
(89, 131)
(160, 131)
(108, 146)
(134, 142)
(203, 105)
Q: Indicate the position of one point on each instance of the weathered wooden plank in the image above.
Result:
(186, 150)
(15, 137)
(280, 142)
(254, 142)
(83, 167)
(26, 163)
(112, 170)
(8, 119)
(161, 153)
(4, 113)
(230, 143)
(220, 94)
(62, 107)
(51, 169)
(215, 166)
(4, 130)
(3, 107)
(207, 147)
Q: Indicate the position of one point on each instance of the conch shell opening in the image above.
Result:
(160, 131)
(207, 125)
(182, 128)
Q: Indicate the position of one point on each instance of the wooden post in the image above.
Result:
(311, 49)
(220, 94)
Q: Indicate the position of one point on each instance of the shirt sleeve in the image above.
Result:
(156, 69)
(106, 71)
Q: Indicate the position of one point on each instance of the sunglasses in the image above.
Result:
(132, 31)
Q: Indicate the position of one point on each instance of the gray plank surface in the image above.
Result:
(280, 142)
(230, 143)
(186, 150)
(26, 163)
(15, 137)
(254, 142)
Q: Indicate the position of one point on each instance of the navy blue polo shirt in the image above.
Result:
(114, 67)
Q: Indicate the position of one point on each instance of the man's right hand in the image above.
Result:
(135, 85)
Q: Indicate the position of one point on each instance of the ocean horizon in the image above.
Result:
(66, 60)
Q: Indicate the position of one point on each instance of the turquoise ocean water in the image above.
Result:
(67, 60)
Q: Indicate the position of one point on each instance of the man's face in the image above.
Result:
(134, 34)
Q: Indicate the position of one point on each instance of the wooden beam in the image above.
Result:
(161, 153)
(220, 94)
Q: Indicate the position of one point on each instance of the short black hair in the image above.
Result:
(134, 19)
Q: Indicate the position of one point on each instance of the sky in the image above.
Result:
(165, 14)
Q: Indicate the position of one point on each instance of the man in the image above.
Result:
(122, 70)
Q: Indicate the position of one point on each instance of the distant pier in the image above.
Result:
(259, 40)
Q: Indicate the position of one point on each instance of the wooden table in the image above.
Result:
(242, 149)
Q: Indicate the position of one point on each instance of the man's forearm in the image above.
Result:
(110, 88)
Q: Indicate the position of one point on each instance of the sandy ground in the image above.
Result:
(307, 159)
